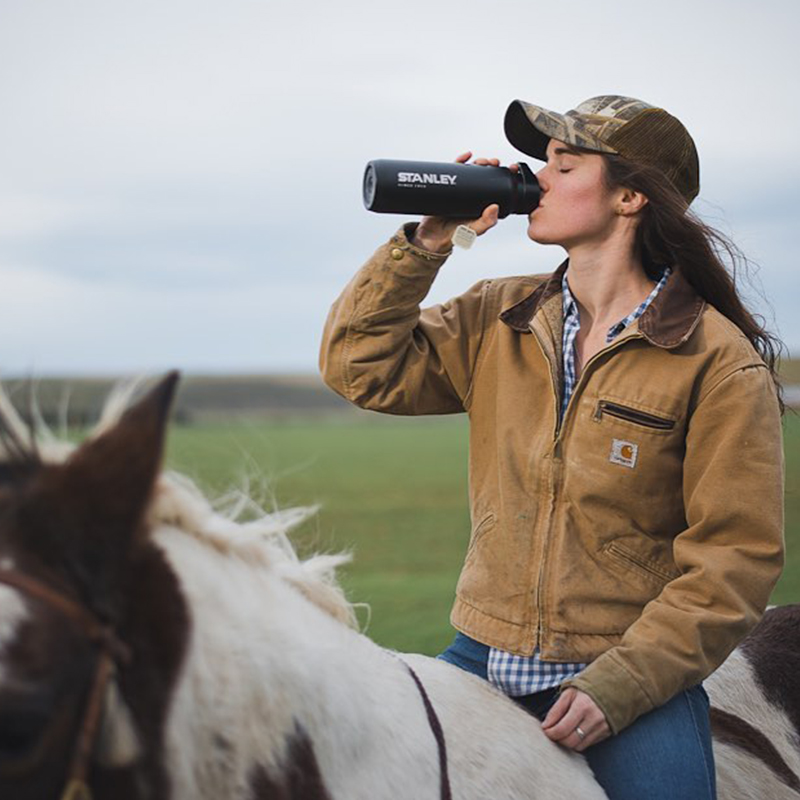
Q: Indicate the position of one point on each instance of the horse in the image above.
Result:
(755, 712)
(155, 647)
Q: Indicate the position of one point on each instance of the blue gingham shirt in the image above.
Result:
(521, 675)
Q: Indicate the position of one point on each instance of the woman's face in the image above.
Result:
(576, 206)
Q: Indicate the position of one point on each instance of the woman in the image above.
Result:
(626, 467)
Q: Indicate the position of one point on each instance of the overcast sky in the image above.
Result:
(180, 180)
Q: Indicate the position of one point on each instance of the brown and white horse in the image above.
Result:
(153, 647)
(755, 712)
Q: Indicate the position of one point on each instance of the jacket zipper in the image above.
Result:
(632, 415)
(584, 371)
(556, 436)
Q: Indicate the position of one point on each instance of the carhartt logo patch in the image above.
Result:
(623, 453)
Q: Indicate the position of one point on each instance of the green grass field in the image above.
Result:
(394, 492)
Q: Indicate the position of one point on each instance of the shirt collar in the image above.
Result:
(669, 319)
(570, 307)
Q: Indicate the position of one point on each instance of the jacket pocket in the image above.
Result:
(633, 415)
(638, 563)
(485, 523)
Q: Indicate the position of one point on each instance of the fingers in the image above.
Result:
(568, 715)
(571, 711)
(483, 162)
(593, 733)
(438, 231)
(559, 708)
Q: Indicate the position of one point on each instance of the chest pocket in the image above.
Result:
(625, 465)
(643, 419)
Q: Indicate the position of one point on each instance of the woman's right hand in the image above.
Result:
(435, 234)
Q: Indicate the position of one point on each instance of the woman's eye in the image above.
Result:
(565, 170)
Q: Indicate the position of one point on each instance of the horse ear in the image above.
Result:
(109, 479)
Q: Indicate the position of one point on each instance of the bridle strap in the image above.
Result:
(87, 736)
(93, 628)
(111, 650)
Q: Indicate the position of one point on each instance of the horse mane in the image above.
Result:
(234, 525)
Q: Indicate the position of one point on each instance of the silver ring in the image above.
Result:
(581, 734)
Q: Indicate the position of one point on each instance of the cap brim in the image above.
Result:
(529, 128)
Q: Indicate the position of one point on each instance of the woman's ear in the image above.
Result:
(629, 202)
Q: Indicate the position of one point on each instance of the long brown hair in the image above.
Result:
(670, 234)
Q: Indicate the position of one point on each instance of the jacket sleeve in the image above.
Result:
(730, 555)
(381, 352)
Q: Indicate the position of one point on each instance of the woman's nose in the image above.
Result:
(542, 178)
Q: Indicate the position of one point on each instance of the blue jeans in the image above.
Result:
(664, 755)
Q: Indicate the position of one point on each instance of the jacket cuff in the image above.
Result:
(402, 241)
(617, 693)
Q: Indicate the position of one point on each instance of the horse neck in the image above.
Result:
(252, 675)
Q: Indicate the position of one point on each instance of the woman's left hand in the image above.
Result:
(573, 710)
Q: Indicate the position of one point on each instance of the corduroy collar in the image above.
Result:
(667, 322)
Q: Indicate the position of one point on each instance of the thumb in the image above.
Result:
(487, 220)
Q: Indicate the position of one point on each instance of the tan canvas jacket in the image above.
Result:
(645, 533)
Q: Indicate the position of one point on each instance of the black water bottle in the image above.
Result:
(459, 191)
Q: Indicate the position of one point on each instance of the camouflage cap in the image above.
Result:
(609, 123)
